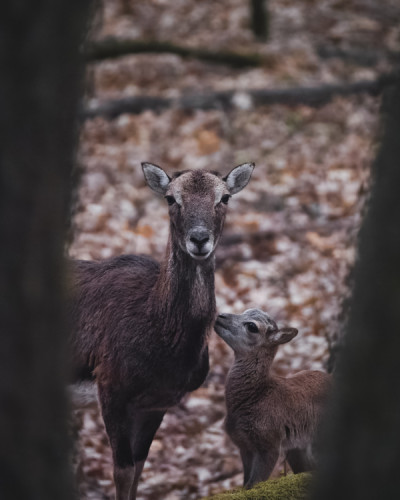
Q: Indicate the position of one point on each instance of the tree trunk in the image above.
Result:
(259, 18)
(361, 449)
(39, 92)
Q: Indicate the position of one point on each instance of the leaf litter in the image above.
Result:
(289, 238)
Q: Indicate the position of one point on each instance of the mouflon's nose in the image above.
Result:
(199, 237)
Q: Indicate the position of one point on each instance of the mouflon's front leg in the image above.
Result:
(131, 432)
(144, 426)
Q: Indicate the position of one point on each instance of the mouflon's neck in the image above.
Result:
(184, 295)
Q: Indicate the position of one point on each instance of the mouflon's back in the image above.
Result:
(108, 306)
(306, 397)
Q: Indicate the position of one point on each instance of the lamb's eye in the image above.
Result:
(252, 327)
(225, 198)
(170, 200)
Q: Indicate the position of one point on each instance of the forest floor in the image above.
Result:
(289, 238)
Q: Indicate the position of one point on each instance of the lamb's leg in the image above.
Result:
(247, 461)
(299, 460)
(263, 464)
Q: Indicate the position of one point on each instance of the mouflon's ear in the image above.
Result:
(155, 177)
(239, 177)
(283, 335)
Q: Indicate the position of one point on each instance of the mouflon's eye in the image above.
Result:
(170, 200)
(252, 327)
(225, 198)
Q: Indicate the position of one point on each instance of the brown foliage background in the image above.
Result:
(289, 237)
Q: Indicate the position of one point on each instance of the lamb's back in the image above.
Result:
(287, 409)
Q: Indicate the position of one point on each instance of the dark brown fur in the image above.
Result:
(141, 328)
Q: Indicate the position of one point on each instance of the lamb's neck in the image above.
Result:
(250, 374)
(184, 295)
(258, 362)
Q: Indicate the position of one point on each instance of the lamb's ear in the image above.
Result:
(155, 177)
(239, 177)
(284, 335)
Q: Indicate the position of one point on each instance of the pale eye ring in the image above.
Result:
(251, 327)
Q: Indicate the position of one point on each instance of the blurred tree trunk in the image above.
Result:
(336, 337)
(361, 449)
(39, 90)
(259, 18)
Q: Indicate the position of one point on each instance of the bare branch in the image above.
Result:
(310, 96)
(111, 47)
(361, 57)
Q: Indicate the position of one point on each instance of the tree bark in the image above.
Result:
(361, 449)
(39, 93)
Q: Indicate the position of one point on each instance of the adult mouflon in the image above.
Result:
(141, 328)
(268, 415)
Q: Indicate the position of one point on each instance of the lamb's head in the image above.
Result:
(252, 330)
(197, 202)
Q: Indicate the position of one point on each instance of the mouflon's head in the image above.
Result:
(197, 201)
(254, 329)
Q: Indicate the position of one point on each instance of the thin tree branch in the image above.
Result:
(111, 47)
(360, 57)
(310, 96)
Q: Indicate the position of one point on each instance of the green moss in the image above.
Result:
(291, 487)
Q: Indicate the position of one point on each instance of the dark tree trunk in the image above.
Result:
(361, 451)
(39, 92)
(259, 18)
